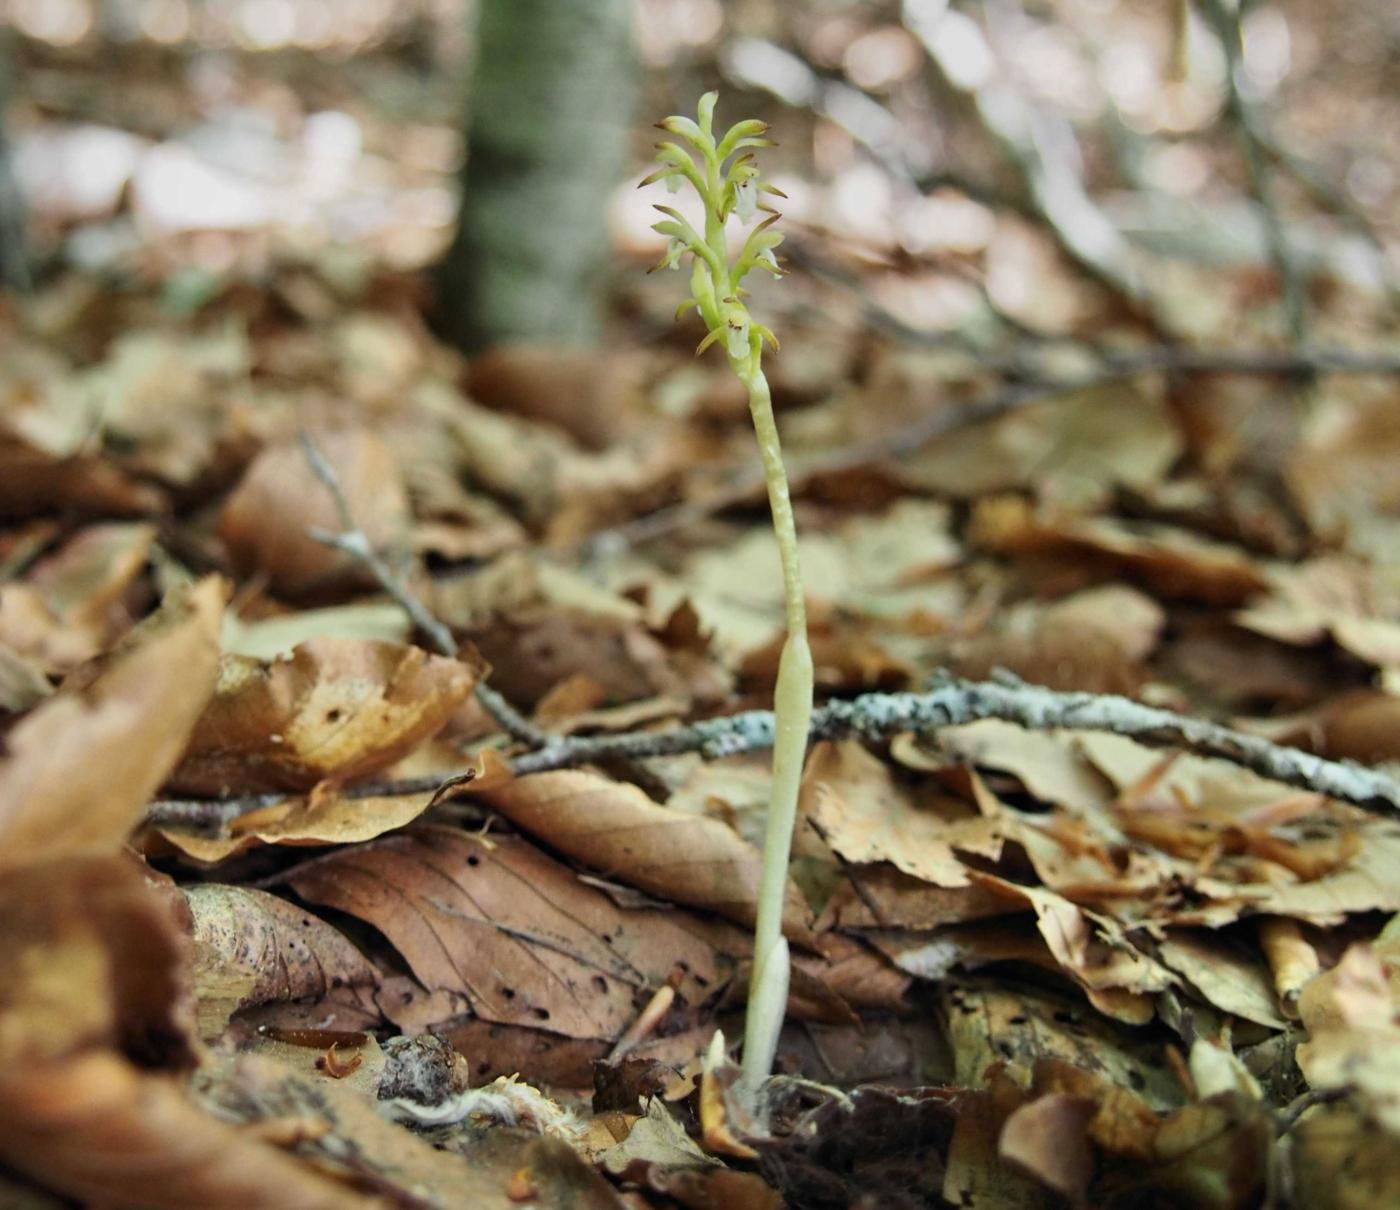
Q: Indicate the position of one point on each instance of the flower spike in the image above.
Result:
(727, 179)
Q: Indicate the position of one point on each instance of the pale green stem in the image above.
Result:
(792, 709)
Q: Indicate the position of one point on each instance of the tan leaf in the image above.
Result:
(866, 816)
(1048, 1139)
(332, 817)
(82, 766)
(264, 521)
(336, 708)
(510, 933)
(95, 1128)
(615, 828)
(253, 948)
(1233, 980)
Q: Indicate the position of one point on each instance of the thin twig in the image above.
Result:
(747, 484)
(1240, 114)
(353, 541)
(878, 716)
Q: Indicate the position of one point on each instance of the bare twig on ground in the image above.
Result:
(878, 716)
(353, 541)
(747, 484)
(1225, 20)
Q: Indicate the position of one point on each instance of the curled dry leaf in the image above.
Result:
(867, 816)
(615, 828)
(336, 708)
(510, 933)
(1352, 1015)
(265, 520)
(252, 948)
(83, 765)
(97, 1129)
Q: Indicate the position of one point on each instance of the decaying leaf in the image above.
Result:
(252, 948)
(90, 956)
(335, 709)
(866, 815)
(510, 933)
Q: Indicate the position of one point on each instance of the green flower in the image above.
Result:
(726, 178)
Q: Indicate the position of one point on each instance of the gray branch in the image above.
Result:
(878, 716)
(353, 541)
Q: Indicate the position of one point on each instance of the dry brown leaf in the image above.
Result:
(1095, 641)
(34, 481)
(615, 828)
(1076, 448)
(509, 933)
(1343, 472)
(335, 709)
(95, 1128)
(264, 521)
(333, 817)
(1172, 563)
(82, 766)
(592, 395)
(252, 948)
(1229, 977)
(880, 896)
(90, 955)
(70, 607)
(1352, 1015)
(1116, 976)
(866, 815)
(348, 1135)
(535, 649)
(1048, 1139)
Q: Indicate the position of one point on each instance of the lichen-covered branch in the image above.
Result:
(878, 716)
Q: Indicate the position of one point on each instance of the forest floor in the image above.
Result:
(1095, 883)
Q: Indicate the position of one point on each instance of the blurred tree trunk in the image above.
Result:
(14, 255)
(551, 109)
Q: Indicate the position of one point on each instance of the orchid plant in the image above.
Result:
(723, 172)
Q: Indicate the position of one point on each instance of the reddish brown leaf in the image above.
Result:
(510, 933)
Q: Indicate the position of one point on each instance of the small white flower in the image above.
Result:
(746, 199)
(674, 249)
(673, 183)
(736, 335)
(766, 257)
